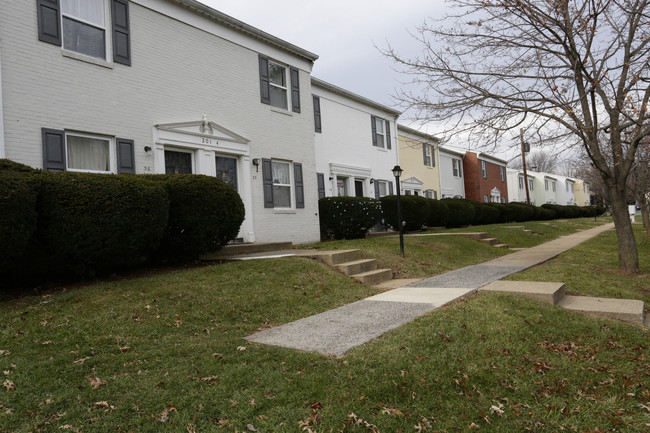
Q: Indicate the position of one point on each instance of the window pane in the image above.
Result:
(281, 196)
(86, 153)
(91, 11)
(277, 75)
(281, 173)
(383, 189)
(83, 38)
(278, 97)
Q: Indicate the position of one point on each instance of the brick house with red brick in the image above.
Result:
(485, 178)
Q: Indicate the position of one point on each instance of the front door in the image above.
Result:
(358, 188)
(178, 162)
(227, 170)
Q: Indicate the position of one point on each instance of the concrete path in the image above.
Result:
(336, 331)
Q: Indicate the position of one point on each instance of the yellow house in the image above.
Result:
(418, 156)
(582, 193)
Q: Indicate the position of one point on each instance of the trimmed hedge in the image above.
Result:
(9, 165)
(489, 214)
(204, 215)
(18, 216)
(94, 222)
(461, 212)
(437, 213)
(347, 217)
(414, 211)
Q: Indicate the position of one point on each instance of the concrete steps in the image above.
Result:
(242, 249)
(627, 310)
(351, 264)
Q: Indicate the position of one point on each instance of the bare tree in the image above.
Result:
(569, 71)
(639, 183)
(541, 161)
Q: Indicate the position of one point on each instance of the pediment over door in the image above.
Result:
(201, 134)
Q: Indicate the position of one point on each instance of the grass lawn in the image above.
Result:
(591, 269)
(165, 353)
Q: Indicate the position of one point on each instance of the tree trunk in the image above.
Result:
(628, 256)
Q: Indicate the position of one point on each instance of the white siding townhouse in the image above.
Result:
(166, 86)
(452, 183)
(544, 188)
(355, 141)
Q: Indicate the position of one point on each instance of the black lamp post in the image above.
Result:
(397, 172)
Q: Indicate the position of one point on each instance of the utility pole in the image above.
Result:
(523, 161)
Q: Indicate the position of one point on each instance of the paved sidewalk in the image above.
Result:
(336, 331)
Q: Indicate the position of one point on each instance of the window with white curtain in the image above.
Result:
(88, 153)
(281, 172)
(278, 85)
(84, 26)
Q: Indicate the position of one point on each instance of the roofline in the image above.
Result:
(418, 133)
(221, 18)
(332, 88)
(457, 152)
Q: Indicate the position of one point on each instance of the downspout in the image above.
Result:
(3, 152)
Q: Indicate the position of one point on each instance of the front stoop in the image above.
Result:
(351, 264)
(490, 241)
(628, 310)
(240, 249)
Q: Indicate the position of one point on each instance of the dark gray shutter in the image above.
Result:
(388, 143)
(433, 156)
(317, 120)
(121, 33)
(424, 153)
(267, 179)
(53, 149)
(377, 196)
(265, 91)
(300, 189)
(125, 156)
(295, 89)
(374, 130)
(49, 21)
(390, 188)
(321, 185)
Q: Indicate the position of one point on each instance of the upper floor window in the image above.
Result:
(484, 169)
(546, 184)
(380, 132)
(456, 168)
(502, 173)
(521, 182)
(530, 184)
(427, 155)
(279, 85)
(87, 27)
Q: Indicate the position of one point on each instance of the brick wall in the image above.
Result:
(476, 185)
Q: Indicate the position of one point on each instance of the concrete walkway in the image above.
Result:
(336, 331)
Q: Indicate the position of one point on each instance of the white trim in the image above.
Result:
(112, 155)
(3, 153)
(349, 171)
(107, 61)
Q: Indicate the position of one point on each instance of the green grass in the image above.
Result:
(165, 353)
(591, 269)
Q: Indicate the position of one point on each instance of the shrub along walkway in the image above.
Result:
(336, 331)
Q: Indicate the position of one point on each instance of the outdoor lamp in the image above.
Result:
(397, 172)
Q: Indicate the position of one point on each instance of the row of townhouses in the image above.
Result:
(173, 86)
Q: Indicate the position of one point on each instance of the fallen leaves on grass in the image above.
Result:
(392, 412)
(356, 421)
(313, 418)
(81, 360)
(9, 385)
(251, 427)
(95, 381)
(103, 405)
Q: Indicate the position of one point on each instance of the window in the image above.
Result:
(427, 155)
(179, 162)
(317, 119)
(553, 185)
(483, 169)
(546, 184)
(428, 193)
(88, 153)
(503, 199)
(455, 163)
(380, 132)
(274, 85)
(502, 173)
(87, 27)
(530, 184)
(521, 182)
(383, 188)
(342, 186)
(485, 198)
(280, 179)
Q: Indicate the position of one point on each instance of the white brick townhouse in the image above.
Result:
(355, 141)
(162, 86)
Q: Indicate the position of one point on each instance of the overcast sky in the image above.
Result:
(343, 33)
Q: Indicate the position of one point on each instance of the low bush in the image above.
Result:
(489, 214)
(414, 211)
(204, 215)
(347, 217)
(18, 196)
(501, 209)
(461, 212)
(9, 165)
(92, 222)
(437, 213)
(519, 212)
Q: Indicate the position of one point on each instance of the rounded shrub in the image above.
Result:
(489, 214)
(461, 212)
(204, 215)
(500, 208)
(18, 217)
(519, 212)
(437, 213)
(414, 211)
(347, 217)
(96, 222)
(9, 165)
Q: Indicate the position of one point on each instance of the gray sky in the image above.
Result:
(343, 33)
